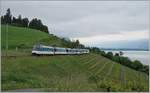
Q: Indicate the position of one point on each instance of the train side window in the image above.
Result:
(45, 49)
(51, 49)
(40, 49)
(55, 49)
(66, 50)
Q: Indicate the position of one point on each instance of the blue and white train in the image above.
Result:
(49, 50)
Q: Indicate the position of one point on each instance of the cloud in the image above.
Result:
(109, 38)
(135, 44)
(101, 24)
(93, 21)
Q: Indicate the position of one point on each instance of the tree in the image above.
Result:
(2, 20)
(32, 23)
(76, 45)
(109, 55)
(19, 20)
(121, 53)
(7, 17)
(25, 22)
(116, 59)
(137, 65)
(14, 20)
(146, 69)
(103, 53)
(77, 42)
(45, 29)
(125, 61)
(116, 54)
(37, 24)
(95, 50)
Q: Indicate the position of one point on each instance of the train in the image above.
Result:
(49, 50)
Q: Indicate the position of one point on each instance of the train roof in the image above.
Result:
(44, 46)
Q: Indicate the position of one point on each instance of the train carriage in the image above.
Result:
(41, 49)
(59, 50)
(49, 50)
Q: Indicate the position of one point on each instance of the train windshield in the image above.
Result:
(35, 47)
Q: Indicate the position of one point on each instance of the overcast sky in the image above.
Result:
(95, 23)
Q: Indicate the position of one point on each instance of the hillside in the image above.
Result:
(90, 72)
(25, 37)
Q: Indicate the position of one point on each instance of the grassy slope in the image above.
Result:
(90, 72)
(18, 36)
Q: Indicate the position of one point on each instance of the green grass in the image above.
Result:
(90, 72)
(25, 37)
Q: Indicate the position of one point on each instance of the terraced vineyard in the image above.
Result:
(90, 72)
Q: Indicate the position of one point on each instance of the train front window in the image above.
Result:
(35, 48)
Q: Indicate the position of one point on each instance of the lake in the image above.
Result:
(143, 56)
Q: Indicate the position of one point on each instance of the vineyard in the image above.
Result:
(90, 72)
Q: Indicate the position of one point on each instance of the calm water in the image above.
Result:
(143, 56)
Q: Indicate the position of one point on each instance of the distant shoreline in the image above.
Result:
(141, 55)
(124, 49)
